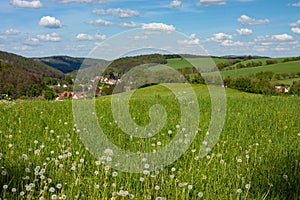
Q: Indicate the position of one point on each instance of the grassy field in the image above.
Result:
(288, 81)
(288, 67)
(256, 157)
(202, 63)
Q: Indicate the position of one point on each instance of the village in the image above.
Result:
(102, 83)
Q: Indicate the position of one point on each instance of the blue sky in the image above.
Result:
(35, 28)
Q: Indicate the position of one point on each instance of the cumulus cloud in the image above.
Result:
(244, 31)
(297, 23)
(83, 36)
(219, 37)
(101, 22)
(175, 3)
(295, 4)
(11, 32)
(244, 19)
(230, 43)
(84, 1)
(295, 30)
(50, 22)
(158, 27)
(280, 37)
(52, 37)
(212, 2)
(193, 40)
(27, 4)
(122, 13)
(128, 24)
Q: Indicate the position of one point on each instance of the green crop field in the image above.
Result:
(201, 63)
(288, 67)
(256, 157)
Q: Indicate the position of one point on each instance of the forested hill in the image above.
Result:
(29, 65)
(68, 64)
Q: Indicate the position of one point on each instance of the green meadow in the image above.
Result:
(257, 156)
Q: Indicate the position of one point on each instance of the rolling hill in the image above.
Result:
(68, 64)
(29, 65)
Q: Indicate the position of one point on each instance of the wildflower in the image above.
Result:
(146, 166)
(177, 126)
(222, 162)
(5, 187)
(239, 191)
(158, 143)
(63, 196)
(285, 176)
(200, 194)
(190, 187)
(10, 145)
(142, 179)
(54, 196)
(114, 174)
(96, 173)
(299, 134)
(13, 190)
(204, 143)
(239, 160)
(156, 187)
(51, 131)
(22, 193)
(52, 189)
(59, 186)
(97, 186)
(81, 160)
(247, 186)
(170, 132)
(173, 169)
(107, 167)
(98, 162)
(35, 142)
(37, 152)
(108, 151)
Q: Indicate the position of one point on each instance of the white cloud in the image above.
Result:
(297, 23)
(32, 41)
(244, 31)
(83, 36)
(281, 38)
(83, 1)
(295, 30)
(212, 2)
(158, 27)
(219, 37)
(27, 4)
(11, 32)
(230, 43)
(244, 19)
(176, 3)
(52, 37)
(193, 40)
(100, 36)
(102, 22)
(128, 24)
(50, 22)
(295, 4)
(122, 13)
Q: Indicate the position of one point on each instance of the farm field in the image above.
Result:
(288, 67)
(256, 157)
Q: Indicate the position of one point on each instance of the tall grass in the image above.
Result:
(257, 156)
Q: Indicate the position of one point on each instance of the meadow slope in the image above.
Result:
(256, 157)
